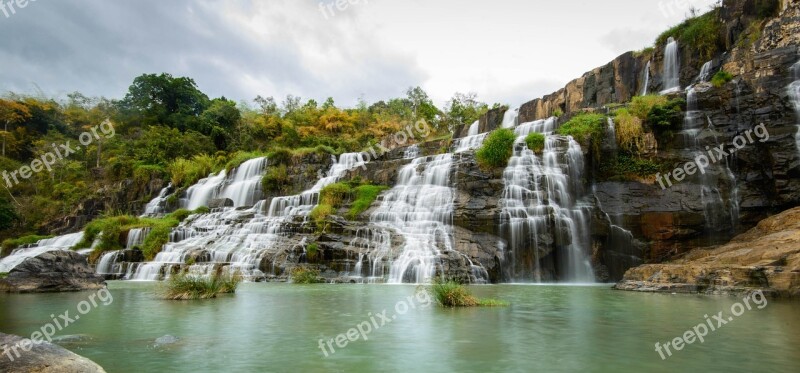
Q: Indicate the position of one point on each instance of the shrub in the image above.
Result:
(160, 230)
(721, 78)
(304, 275)
(142, 174)
(558, 112)
(497, 148)
(452, 294)
(535, 142)
(586, 128)
(321, 212)
(641, 105)
(365, 196)
(275, 178)
(279, 156)
(335, 194)
(668, 114)
(190, 287)
(311, 250)
(623, 167)
(629, 131)
(185, 172)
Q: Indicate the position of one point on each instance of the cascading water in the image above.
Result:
(611, 134)
(158, 205)
(540, 208)
(244, 186)
(65, 242)
(671, 77)
(411, 152)
(794, 95)
(510, 118)
(705, 72)
(474, 129)
(200, 194)
(240, 239)
(646, 79)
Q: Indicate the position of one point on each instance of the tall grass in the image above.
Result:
(191, 287)
(305, 275)
(629, 131)
(453, 294)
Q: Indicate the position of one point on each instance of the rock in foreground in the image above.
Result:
(766, 258)
(52, 271)
(42, 358)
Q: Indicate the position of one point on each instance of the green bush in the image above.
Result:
(535, 142)
(668, 114)
(320, 213)
(185, 172)
(497, 148)
(629, 131)
(142, 174)
(275, 179)
(335, 194)
(721, 78)
(304, 275)
(190, 287)
(365, 196)
(586, 128)
(311, 250)
(279, 156)
(641, 105)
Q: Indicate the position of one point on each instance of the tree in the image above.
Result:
(163, 99)
(219, 121)
(422, 105)
(463, 109)
(12, 112)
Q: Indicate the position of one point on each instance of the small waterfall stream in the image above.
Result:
(671, 77)
(510, 118)
(157, 205)
(794, 95)
(65, 242)
(646, 78)
(244, 185)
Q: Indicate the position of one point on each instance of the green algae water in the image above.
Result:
(280, 328)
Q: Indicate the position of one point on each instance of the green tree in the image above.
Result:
(11, 112)
(163, 99)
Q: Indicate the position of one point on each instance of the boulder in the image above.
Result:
(42, 358)
(52, 271)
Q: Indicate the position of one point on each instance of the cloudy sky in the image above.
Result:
(507, 51)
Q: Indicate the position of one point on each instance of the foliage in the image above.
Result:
(535, 142)
(641, 105)
(497, 148)
(453, 294)
(335, 194)
(275, 179)
(365, 196)
(720, 78)
(623, 167)
(644, 52)
(702, 33)
(311, 250)
(585, 128)
(629, 131)
(305, 275)
(463, 109)
(111, 230)
(320, 213)
(558, 112)
(190, 287)
(668, 114)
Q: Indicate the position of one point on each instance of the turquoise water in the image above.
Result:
(276, 328)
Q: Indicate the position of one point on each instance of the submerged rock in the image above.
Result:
(42, 358)
(52, 271)
(766, 258)
(166, 340)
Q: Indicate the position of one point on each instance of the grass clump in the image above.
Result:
(191, 287)
(629, 131)
(497, 148)
(275, 179)
(311, 250)
(721, 78)
(185, 172)
(365, 196)
(586, 128)
(305, 275)
(702, 33)
(535, 142)
(453, 294)
(110, 231)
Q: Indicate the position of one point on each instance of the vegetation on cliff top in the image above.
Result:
(701, 32)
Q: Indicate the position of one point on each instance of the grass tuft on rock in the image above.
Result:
(452, 294)
(305, 275)
(535, 142)
(191, 287)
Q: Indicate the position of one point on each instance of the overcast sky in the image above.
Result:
(507, 51)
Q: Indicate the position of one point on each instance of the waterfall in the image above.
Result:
(468, 143)
(201, 193)
(243, 239)
(539, 204)
(510, 118)
(65, 242)
(474, 128)
(611, 135)
(244, 185)
(646, 78)
(411, 152)
(705, 73)
(671, 77)
(136, 237)
(157, 205)
(107, 263)
(794, 95)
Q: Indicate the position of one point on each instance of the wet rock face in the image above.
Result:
(42, 358)
(52, 271)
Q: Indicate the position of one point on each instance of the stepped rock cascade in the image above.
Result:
(540, 208)
(411, 152)
(201, 193)
(646, 78)
(794, 95)
(244, 186)
(510, 118)
(468, 143)
(107, 264)
(65, 242)
(157, 206)
(240, 239)
(671, 77)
